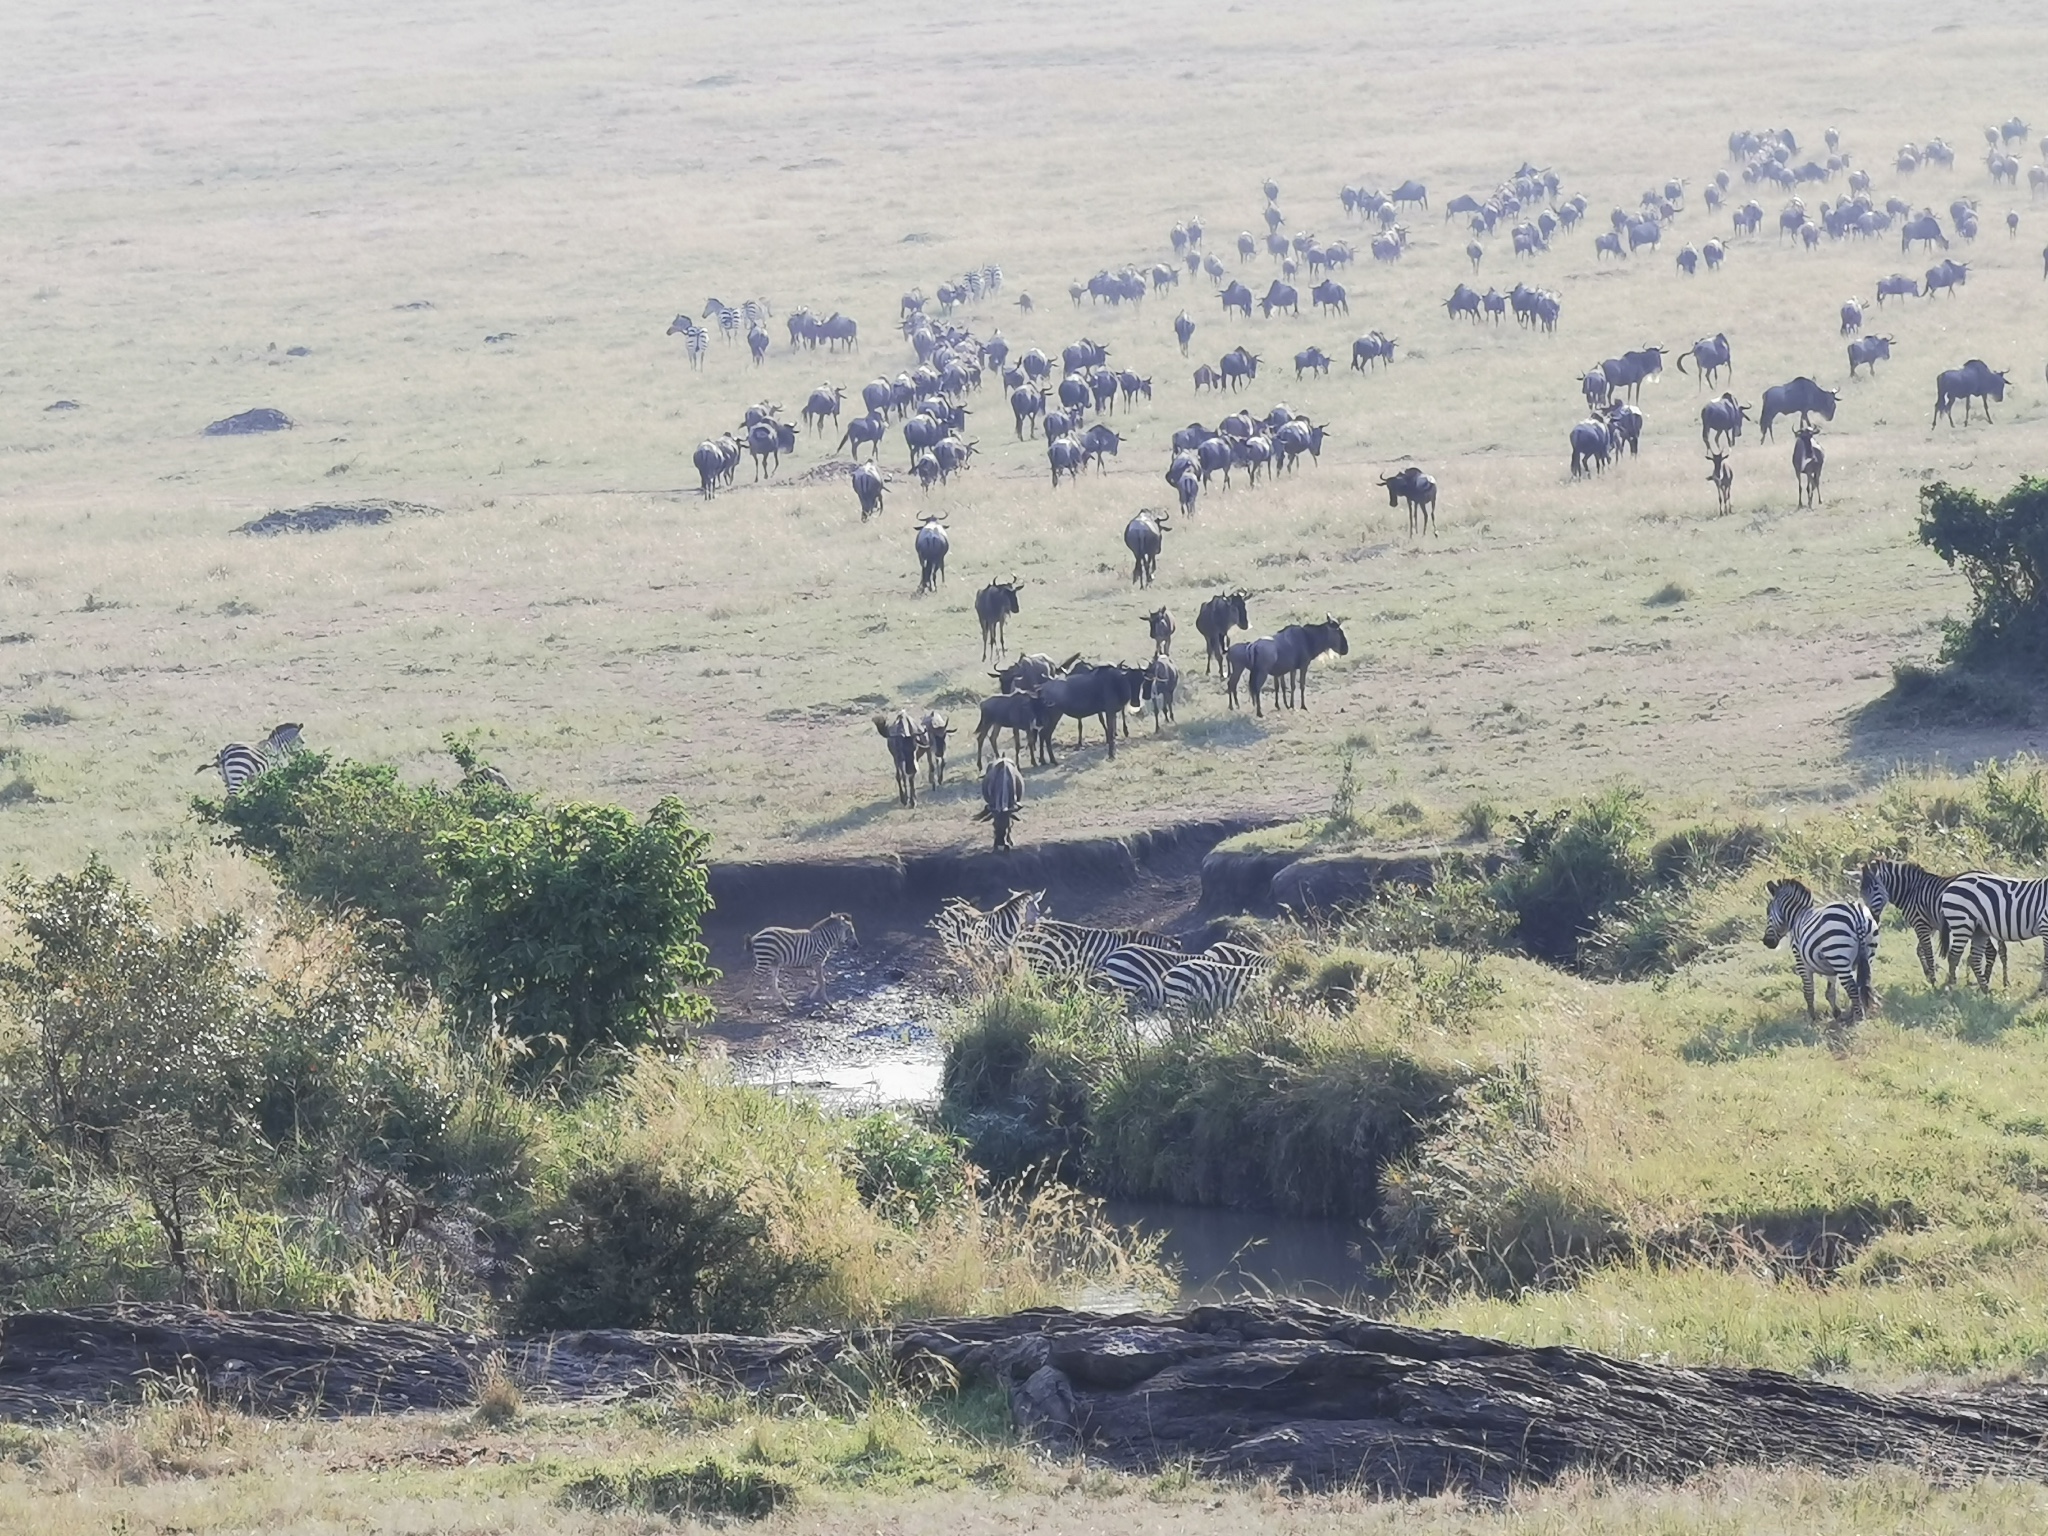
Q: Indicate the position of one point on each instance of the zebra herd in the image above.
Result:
(1150, 971)
(238, 763)
(1975, 915)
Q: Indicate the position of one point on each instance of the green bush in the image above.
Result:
(1571, 868)
(903, 1170)
(1456, 911)
(1707, 852)
(2013, 817)
(707, 1488)
(2001, 548)
(636, 1246)
(576, 927)
(1646, 935)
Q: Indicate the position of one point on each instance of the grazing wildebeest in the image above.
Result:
(1807, 460)
(1464, 300)
(869, 487)
(869, 429)
(1208, 378)
(1280, 296)
(1947, 277)
(1294, 438)
(1217, 617)
(1722, 419)
(1590, 447)
(1237, 296)
(1418, 490)
(1100, 442)
(1284, 659)
(1238, 366)
(824, 402)
(1802, 396)
(1643, 232)
(1102, 693)
(1213, 454)
(1330, 295)
(1017, 713)
(932, 547)
(1624, 425)
(1608, 244)
(1159, 628)
(1852, 317)
(1002, 799)
(1924, 227)
(993, 605)
(1143, 536)
(1313, 358)
(905, 742)
(1976, 380)
(1898, 285)
(1132, 386)
(768, 440)
(1410, 192)
(1868, 351)
(1710, 355)
(1722, 479)
(1183, 328)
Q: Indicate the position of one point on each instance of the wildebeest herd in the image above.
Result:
(1067, 398)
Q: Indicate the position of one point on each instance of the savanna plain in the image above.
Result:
(448, 244)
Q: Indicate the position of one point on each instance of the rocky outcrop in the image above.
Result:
(1290, 1390)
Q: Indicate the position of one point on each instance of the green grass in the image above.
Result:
(524, 172)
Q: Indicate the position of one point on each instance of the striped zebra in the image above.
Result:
(1139, 972)
(1838, 941)
(1203, 988)
(777, 950)
(1055, 949)
(755, 311)
(696, 340)
(237, 763)
(729, 323)
(965, 928)
(1234, 954)
(1985, 914)
(1916, 892)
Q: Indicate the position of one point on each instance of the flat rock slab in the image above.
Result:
(1283, 1389)
(262, 419)
(324, 515)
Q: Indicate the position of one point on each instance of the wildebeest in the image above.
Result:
(1238, 366)
(1608, 244)
(1624, 425)
(1284, 660)
(1722, 419)
(1189, 488)
(1143, 536)
(1236, 296)
(1100, 442)
(1065, 456)
(1294, 438)
(1027, 403)
(1017, 713)
(932, 547)
(1183, 328)
(1280, 296)
(1924, 227)
(905, 742)
(1868, 351)
(869, 487)
(1163, 678)
(1370, 350)
(1103, 693)
(1002, 799)
(1217, 617)
(1710, 355)
(1713, 253)
(1591, 447)
(1330, 295)
(712, 466)
(1311, 359)
(1898, 285)
(824, 402)
(993, 606)
(1464, 300)
(768, 440)
(1207, 378)
(1410, 192)
(1976, 380)
(1947, 277)
(1807, 460)
(1852, 317)
(1418, 490)
(1803, 397)
(1722, 479)
(1593, 385)
(1159, 628)
(869, 429)
(934, 730)
(1688, 260)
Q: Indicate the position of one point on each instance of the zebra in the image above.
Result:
(1838, 940)
(729, 323)
(283, 740)
(1916, 892)
(776, 950)
(1985, 913)
(961, 925)
(238, 762)
(1227, 953)
(1067, 949)
(754, 311)
(696, 340)
(1139, 972)
(1203, 988)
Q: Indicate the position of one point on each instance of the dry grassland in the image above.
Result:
(187, 189)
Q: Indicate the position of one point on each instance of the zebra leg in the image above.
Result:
(1806, 981)
(1927, 954)
(1834, 1007)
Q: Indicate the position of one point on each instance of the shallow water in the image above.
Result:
(1222, 1255)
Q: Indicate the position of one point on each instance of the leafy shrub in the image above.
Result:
(1705, 852)
(708, 1488)
(1645, 935)
(2013, 817)
(636, 1246)
(1456, 911)
(1571, 868)
(575, 927)
(902, 1169)
(2001, 548)
(1477, 820)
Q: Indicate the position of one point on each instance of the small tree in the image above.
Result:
(575, 927)
(2001, 548)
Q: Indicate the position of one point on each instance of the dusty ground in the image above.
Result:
(478, 234)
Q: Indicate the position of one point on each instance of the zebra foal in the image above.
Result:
(776, 950)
